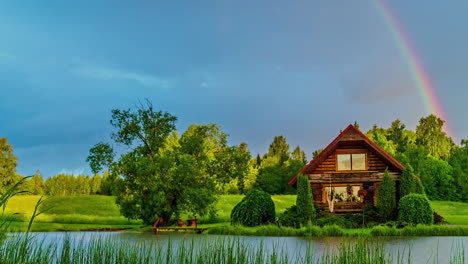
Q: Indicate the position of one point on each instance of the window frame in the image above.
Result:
(351, 161)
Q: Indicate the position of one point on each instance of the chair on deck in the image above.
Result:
(181, 223)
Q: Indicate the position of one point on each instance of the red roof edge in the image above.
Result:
(381, 150)
(293, 180)
(372, 143)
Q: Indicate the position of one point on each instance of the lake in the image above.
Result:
(423, 249)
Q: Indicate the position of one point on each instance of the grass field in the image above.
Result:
(93, 211)
(455, 213)
(68, 213)
(226, 203)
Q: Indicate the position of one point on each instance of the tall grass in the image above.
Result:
(21, 249)
(336, 231)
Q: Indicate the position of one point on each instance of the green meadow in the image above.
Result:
(455, 213)
(95, 211)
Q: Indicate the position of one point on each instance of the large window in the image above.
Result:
(351, 161)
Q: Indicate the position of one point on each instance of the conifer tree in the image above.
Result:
(304, 200)
(386, 202)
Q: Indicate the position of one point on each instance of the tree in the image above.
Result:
(459, 162)
(241, 157)
(273, 177)
(386, 201)
(436, 176)
(406, 182)
(111, 184)
(299, 155)
(316, 153)
(356, 125)
(37, 183)
(396, 133)
(162, 181)
(95, 184)
(410, 183)
(305, 209)
(378, 135)
(279, 149)
(8, 162)
(430, 135)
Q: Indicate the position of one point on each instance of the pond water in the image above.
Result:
(423, 249)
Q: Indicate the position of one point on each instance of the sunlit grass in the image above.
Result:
(455, 213)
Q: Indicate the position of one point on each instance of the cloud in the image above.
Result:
(117, 74)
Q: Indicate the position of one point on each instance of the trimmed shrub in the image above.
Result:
(304, 202)
(255, 209)
(386, 202)
(416, 209)
(290, 217)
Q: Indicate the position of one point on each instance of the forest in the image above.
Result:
(188, 170)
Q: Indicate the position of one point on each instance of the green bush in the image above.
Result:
(255, 209)
(304, 201)
(415, 209)
(291, 217)
(386, 202)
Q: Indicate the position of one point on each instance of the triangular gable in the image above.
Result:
(351, 133)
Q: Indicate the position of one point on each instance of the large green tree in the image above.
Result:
(8, 163)
(459, 162)
(396, 133)
(279, 149)
(436, 176)
(299, 155)
(379, 136)
(163, 176)
(430, 135)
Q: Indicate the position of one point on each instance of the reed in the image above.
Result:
(24, 249)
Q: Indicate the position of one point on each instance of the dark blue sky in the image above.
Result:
(304, 69)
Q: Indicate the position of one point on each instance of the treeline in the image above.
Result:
(69, 184)
(429, 153)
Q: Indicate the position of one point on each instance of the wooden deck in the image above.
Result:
(344, 207)
(179, 229)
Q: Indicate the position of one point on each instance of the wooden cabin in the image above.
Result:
(345, 176)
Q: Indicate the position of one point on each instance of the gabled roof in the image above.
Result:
(351, 133)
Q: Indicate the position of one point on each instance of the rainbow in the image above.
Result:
(419, 74)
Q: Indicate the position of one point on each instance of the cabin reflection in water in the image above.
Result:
(345, 176)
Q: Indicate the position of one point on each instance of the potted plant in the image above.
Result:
(349, 189)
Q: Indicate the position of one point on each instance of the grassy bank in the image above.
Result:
(94, 211)
(336, 231)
